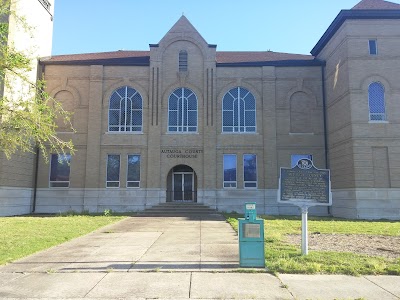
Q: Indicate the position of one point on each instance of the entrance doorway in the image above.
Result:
(181, 183)
(182, 186)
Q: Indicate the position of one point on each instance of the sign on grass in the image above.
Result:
(305, 185)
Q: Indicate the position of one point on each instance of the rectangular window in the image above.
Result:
(183, 61)
(229, 170)
(60, 170)
(250, 170)
(373, 48)
(113, 166)
(297, 157)
(133, 176)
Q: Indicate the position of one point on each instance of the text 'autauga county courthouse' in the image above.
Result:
(185, 122)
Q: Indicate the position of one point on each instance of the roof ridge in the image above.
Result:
(143, 57)
(377, 5)
(102, 52)
(258, 51)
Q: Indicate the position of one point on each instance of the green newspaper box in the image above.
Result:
(251, 238)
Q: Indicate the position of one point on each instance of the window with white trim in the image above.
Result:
(250, 171)
(373, 47)
(133, 176)
(60, 170)
(296, 157)
(239, 111)
(376, 102)
(125, 111)
(182, 111)
(113, 167)
(183, 61)
(230, 171)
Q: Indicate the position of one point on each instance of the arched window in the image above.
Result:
(376, 102)
(183, 61)
(125, 110)
(239, 111)
(182, 111)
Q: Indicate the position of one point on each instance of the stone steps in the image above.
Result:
(179, 209)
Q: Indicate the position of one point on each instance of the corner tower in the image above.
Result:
(363, 109)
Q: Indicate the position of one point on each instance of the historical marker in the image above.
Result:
(304, 185)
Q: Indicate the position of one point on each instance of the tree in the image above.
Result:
(27, 113)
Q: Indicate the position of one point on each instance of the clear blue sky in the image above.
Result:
(293, 26)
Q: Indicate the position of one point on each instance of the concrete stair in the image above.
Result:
(178, 209)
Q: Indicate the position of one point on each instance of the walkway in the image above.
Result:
(169, 258)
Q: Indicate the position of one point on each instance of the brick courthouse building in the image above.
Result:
(185, 122)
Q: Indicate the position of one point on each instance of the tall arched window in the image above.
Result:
(182, 111)
(125, 110)
(239, 111)
(183, 61)
(376, 102)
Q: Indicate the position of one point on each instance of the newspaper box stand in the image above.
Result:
(251, 238)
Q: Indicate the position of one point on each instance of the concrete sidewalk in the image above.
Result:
(169, 258)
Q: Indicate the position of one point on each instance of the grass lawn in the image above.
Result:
(282, 257)
(21, 236)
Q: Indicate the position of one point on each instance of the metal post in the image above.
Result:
(304, 230)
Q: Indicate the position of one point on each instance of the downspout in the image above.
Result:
(325, 114)
(325, 123)
(36, 180)
(39, 76)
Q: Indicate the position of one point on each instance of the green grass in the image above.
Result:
(282, 257)
(21, 236)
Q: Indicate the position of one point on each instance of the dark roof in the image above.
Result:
(376, 4)
(263, 58)
(364, 10)
(223, 58)
(124, 58)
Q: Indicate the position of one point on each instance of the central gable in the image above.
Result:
(182, 56)
(183, 30)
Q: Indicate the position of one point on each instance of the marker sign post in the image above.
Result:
(304, 186)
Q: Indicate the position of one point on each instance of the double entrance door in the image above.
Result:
(183, 186)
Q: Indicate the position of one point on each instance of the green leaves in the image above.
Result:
(27, 113)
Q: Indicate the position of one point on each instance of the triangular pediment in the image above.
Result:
(183, 30)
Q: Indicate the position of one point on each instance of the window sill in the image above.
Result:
(124, 132)
(174, 132)
(240, 133)
(378, 122)
(59, 187)
(301, 133)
